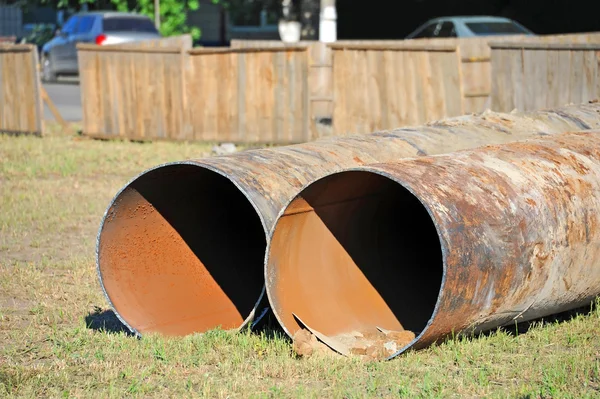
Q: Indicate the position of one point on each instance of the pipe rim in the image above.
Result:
(250, 319)
(381, 172)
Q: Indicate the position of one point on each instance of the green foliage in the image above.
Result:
(172, 14)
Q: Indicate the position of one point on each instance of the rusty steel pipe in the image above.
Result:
(181, 247)
(460, 242)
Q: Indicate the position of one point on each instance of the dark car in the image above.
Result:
(59, 55)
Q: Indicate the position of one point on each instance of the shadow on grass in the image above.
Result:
(106, 321)
(270, 328)
(563, 317)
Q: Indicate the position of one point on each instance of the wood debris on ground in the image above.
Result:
(369, 345)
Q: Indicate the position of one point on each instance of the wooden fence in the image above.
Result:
(280, 93)
(384, 87)
(320, 71)
(475, 63)
(249, 95)
(244, 95)
(21, 109)
(529, 76)
(134, 90)
(132, 93)
(475, 68)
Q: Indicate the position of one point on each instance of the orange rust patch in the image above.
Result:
(153, 278)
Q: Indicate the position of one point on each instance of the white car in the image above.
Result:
(469, 27)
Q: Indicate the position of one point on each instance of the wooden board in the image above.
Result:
(132, 94)
(249, 96)
(20, 97)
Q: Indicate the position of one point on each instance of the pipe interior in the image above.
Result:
(353, 252)
(181, 251)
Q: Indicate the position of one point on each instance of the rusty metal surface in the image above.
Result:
(133, 256)
(452, 243)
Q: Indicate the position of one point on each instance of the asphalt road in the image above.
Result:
(66, 97)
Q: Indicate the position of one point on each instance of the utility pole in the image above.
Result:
(157, 14)
(328, 22)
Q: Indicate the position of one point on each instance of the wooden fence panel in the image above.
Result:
(320, 72)
(476, 61)
(475, 57)
(249, 95)
(132, 93)
(530, 76)
(383, 87)
(21, 108)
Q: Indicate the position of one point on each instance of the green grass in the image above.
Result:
(53, 192)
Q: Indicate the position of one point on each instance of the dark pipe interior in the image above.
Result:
(181, 251)
(352, 252)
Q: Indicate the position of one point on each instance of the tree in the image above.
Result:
(173, 14)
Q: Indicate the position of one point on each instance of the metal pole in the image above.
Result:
(328, 22)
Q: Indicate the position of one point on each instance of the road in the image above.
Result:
(65, 95)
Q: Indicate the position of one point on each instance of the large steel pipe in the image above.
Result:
(451, 243)
(181, 247)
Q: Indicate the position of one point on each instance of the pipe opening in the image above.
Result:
(353, 252)
(180, 251)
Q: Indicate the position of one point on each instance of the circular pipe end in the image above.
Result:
(355, 254)
(180, 251)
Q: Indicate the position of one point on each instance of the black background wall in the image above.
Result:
(394, 19)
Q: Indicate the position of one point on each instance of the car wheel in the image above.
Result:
(48, 74)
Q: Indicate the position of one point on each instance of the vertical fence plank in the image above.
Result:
(500, 75)
(576, 77)
(21, 110)
(589, 76)
(392, 96)
(516, 67)
(563, 78)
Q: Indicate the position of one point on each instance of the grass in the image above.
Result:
(58, 339)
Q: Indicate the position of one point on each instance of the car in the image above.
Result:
(468, 26)
(59, 55)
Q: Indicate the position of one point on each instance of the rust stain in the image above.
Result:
(531, 201)
(155, 280)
